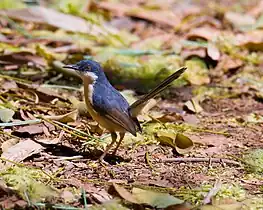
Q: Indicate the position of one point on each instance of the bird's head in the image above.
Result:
(87, 69)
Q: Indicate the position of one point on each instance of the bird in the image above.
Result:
(108, 107)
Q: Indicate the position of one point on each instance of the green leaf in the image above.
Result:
(167, 138)
(179, 142)
(197, 73)
(254, 160)
(155, 199)
(183, 143)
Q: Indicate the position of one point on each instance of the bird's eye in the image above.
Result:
(89, 67)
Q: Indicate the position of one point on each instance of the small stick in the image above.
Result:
(200, 159)
(214, 190)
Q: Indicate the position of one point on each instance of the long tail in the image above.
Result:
(159, 88)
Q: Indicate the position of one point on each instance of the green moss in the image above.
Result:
(254, 161)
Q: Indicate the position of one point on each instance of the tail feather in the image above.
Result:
(159, 88)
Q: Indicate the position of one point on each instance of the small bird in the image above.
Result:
(108, 107)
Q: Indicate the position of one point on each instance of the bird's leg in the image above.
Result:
(119, 143)
(113, 140)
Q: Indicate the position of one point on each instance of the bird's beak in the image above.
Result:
(71, 66)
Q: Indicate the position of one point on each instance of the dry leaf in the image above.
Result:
(31, 129)
(125, 194)
(22, 58)
(65, 118)
(188, 53)
(21, 151)
(9, 143)
(206, 33)
(38, 14)
(179, 142)
(6, 115)
(167, 18)
(240, 21)
(252, 40)
(227, 63)
(7, 85)
(183, 143)
(213, 52)
(193, 106)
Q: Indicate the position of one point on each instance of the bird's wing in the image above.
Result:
(113, 106)
(139, 104)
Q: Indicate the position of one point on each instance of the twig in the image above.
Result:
(200, 159)
(66, 130)
(60, 87)
(8, 134)
(212, 192)
(70, 158)
(74, 129)
(83, 192)
(26, 122)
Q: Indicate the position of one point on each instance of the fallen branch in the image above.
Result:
(201, 159)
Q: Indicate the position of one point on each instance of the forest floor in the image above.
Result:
(202, 143)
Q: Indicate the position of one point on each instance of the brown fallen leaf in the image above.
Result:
(197, 52)
(125, 194)
(22, 58)
(9, 143)
(213, 52)
(31, 129)
(206, 33)
(65, 118)
(239, 21)
(201, 21)
(227, 63)
(166, 18)
(21, 151)
(8, 84)
(44, 94)
(193, 105)
(42, 15)
(251, 40)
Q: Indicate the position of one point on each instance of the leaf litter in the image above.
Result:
(206, 127)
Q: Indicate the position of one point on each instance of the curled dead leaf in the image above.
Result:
(252, 40)
(179, 142)
(65, 118)
(206, 33)
(183, 143)
(193, 106)
(213, 52)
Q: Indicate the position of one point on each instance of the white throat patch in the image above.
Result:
(89, 79)
(90, 76)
